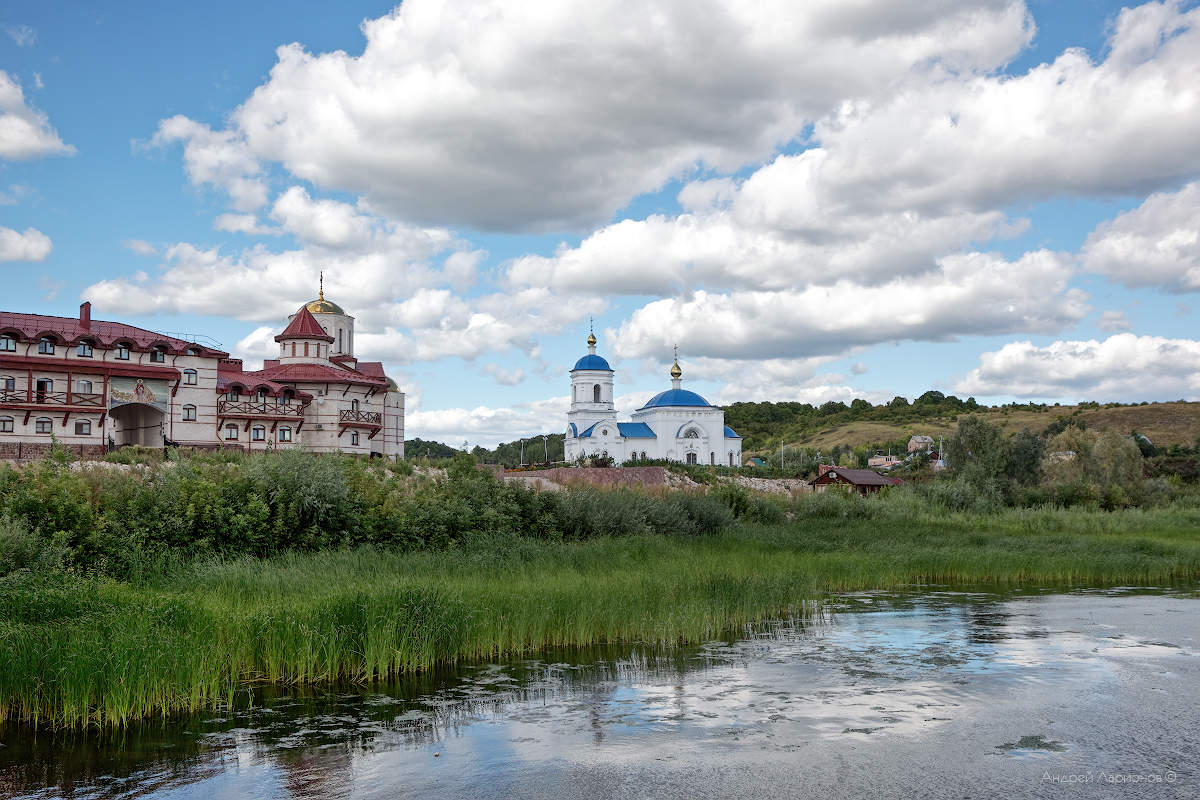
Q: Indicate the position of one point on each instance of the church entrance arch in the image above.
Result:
(691, 458)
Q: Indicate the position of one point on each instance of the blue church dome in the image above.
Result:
(592, 361)
(676, 397)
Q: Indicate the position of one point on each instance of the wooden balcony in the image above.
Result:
(25, 398)
(365, 419)
(253, 409)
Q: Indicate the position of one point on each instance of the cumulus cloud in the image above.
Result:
(28, 245)
(216, 158)
(515, 115)
(486, 426)
(140, 246)
(256, 346)
(1155, 244)
(22, 35)
(244, 223)
(504, 377)
(1122, 367)
(1114, 322)
(973, 293)
(25, 132)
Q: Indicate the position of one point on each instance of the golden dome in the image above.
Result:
(321, 305)
(676, 372)
(591, 340)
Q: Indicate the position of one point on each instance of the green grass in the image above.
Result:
(96, 651)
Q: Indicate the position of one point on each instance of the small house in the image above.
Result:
(882, 461)
(863, 481)
(918, 442)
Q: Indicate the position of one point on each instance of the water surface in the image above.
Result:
(924, 694)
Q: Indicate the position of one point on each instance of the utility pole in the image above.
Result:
(546, 448)
(522, 452)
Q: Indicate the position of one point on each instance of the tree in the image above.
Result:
(1116, 459)
(1025, 451)
(859, 405)
(978, 451)
(898, 402)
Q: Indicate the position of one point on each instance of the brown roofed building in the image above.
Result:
(863, 481)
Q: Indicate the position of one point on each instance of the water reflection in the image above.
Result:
(929, 673)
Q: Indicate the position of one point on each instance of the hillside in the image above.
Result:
(1165, 424)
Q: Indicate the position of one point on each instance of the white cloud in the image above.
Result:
(486, 426)
(243, 223)
(216, 158)
(1114, 322)
(257, 345)
(22, 35)
(140, 246)
(25, 132)
(1122, 367)
(974, 293)
(13, 195)
(28, 245)
(1155, 244)
(517, 115)
(504, 377)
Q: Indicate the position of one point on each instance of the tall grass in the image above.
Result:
(93, 650)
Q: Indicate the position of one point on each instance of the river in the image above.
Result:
(930, 693)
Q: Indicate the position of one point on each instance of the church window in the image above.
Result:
(8, 344)
(84, 350)
(691, 458)
(604, 431)
(231, 433)
(691, 433)
(46, 346)
(44, 425)
(712, 459)
(6, 424)
(731, 459)
(189, 377)
(596, 393)
(189, 413)
(340, 341)
(643, 455)
(83, 427)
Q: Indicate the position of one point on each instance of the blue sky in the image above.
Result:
(835, 201)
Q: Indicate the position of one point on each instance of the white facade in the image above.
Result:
(677, 425)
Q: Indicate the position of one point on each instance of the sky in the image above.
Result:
(814, 201)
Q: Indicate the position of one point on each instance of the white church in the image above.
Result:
(677, 424)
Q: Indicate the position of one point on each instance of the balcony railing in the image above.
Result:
(24, 396)
(352, 417)
(254, 408)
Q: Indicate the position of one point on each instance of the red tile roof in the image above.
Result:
(320, 373)
(69, 330)
(304, 326)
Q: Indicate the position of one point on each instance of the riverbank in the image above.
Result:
(78, 650)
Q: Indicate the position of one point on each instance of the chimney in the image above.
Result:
(85, 315)
(823, 468)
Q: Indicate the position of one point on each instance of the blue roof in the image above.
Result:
(574, 430)
(588, 432)
(676, 397)
(592, 361)
(635, 430)
(730, 433)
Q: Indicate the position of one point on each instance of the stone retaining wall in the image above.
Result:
(601, 476)
(25, 451)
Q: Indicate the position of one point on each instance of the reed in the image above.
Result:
(91, 650)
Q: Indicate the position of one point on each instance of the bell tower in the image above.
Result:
(591, 391)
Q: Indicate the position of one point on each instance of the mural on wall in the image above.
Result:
(148, 391)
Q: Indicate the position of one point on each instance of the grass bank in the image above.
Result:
(78, 650)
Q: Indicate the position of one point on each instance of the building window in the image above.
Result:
(83, 387)
(354, 437)
(46, 346)
(354, 405)
(83, 427)
(189, 413)
(643, 455)
(9, 383)
(43, 387)
(604, 431)
(712, 459)
(158, 354)
(122, 352)
(691, 433)
(191, 351)
(84, 350)
(44, 425)
(293, 349)
(731, 460)
(235, 395)
(258, 433)
(306, 348)
(340, 350)
(285, 399)
(189, 377)
(285, 434)
(8, 344)
(6, 424)
(596, 393)
(231, 433)
(691, 458)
